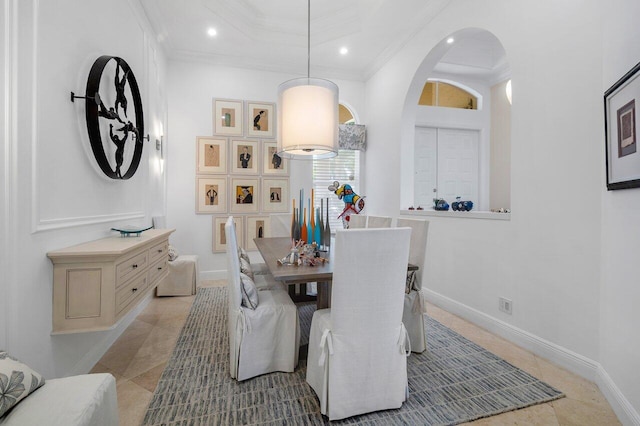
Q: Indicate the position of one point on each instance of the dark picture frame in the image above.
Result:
(621, 124)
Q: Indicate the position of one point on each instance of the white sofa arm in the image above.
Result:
(87, 399)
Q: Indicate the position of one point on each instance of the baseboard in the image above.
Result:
(620, 405)
(570, 360)
(576, 363)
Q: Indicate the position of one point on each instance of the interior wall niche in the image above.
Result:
(459, 87)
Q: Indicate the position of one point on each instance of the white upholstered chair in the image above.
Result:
(357, 221)
(357, 361)
(379, 222)
(264, 339)
(184, 274)
(413, 316)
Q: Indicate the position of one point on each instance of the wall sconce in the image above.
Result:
(159, 147)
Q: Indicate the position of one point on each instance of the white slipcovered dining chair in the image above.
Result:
(413, 315)
(379, 222)
(357, 221)
(264, 338)
(358, 348)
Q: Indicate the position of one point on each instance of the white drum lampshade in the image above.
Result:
(308, 119)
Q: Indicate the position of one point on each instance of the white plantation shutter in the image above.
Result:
(345, 168)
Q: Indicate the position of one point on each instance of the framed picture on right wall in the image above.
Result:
(621, 137)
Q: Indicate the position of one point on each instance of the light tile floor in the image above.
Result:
(139, 356)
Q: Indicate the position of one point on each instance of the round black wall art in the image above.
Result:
(110, 122)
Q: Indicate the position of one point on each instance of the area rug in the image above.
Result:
(453, 381)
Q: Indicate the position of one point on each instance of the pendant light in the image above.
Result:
(308, 114)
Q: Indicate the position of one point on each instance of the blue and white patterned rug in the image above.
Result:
(454, 381)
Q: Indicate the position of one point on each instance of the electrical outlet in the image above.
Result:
(505, 305)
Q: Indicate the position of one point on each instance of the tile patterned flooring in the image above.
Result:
(139, 356)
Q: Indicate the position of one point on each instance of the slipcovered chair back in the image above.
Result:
(379, 222)
(233, 265)
(357, 221)
(357, 349)
(418, 247)
(234, 296)
(369, 274)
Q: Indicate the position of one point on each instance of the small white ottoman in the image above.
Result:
(183, 278)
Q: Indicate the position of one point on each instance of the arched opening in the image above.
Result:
(459, 146)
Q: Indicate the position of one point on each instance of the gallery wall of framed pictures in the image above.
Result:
(238, 171)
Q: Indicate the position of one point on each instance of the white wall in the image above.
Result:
(545, 258)
(192, 88)
(5, 36)
(500, 193)
(53, 195)
(620, 291)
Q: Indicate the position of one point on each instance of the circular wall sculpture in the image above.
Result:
(110, 122)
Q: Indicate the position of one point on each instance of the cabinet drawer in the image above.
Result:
(128, 292)
(157, 270)
(158, 251)
(131, 267)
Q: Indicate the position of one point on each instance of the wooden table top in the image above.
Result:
(276, 248)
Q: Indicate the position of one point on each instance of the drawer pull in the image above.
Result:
(133, 290)
(134, 266)
(160, 251)
(159, 268)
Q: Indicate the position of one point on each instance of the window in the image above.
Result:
(438, 93)
(345, 168)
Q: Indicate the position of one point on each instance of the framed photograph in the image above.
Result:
(219, 235)
(261, 119)
(257, 227)
(245, 195)
(621, 124)
(227, 117)
(272, 163)
(245, 157)
(275, 195)
(211, 195)
(211, 155)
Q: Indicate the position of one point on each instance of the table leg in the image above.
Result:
(324, 295)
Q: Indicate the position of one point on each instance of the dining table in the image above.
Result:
(274, 249)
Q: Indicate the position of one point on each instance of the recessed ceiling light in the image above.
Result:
(344, 50)
(450, 40)
(212, 32)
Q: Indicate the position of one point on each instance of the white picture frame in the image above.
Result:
(227, 117)
(270, 165)
(240, 189)
(211, 194)
(211, 155)
(261, 119)
(275, 195)
(219, 238)
(245, 157)
(256, 227)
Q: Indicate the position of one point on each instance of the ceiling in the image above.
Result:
(272, 35)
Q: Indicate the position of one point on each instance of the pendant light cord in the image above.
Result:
(308, 37)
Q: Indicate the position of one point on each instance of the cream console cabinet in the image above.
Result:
(97, 283)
